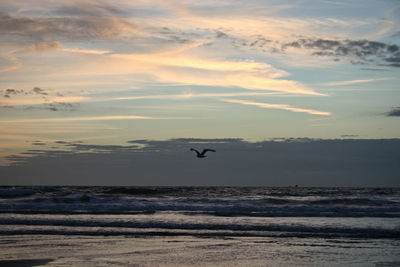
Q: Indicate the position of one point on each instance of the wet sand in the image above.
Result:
(24, 263)
(15, 250)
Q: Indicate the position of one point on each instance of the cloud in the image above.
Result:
(61, 99)
(191, 95)
(18, 93)
(174, 60)
(349, 135)
(180, 66)
(79, 20)
(38, 47)
(55, 106)
(375, 69)
(355, 81)
(93, 118)
(39, 91)
(61, 106)
(44, 47)
(285, 162)
(356, 51)
(277, 106)
(177, 67)
(38, 143)
(394, 112)
(41, 98)
(8, 92)
(174, 36)
(85, 51)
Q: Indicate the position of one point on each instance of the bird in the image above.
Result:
(203, 153)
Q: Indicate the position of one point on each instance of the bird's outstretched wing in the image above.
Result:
(207, 149)
(195, 150)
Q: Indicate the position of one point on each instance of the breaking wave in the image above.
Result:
(201, 210)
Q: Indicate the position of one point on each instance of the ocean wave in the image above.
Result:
(212, 234)
(164, 203)
(77, 227)
(92, 206)
(15, 192)
(217, 201)
(206, 191)
(137, 191)
(353, 201)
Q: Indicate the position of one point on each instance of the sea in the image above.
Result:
(312, 226)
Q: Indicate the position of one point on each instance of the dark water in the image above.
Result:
(216, 211)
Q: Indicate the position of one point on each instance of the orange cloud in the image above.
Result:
(93, 118)
(196, 70)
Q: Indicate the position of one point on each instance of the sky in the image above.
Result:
(104, 73)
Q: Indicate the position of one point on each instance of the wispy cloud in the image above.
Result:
(355, 81)
(38, 47)
(354, 51)
(94, 118)
(180, 66)
(59, 102)
(94, 20)
(192, 95)
(43, 47)
(277, 106)
(195, 70)
(85, 51)
(63, 99)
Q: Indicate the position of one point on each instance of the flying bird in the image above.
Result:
(203, 153)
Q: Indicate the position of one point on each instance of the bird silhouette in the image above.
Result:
(203, 153)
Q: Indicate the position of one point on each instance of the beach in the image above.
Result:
(61, 250)
(199, 226)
